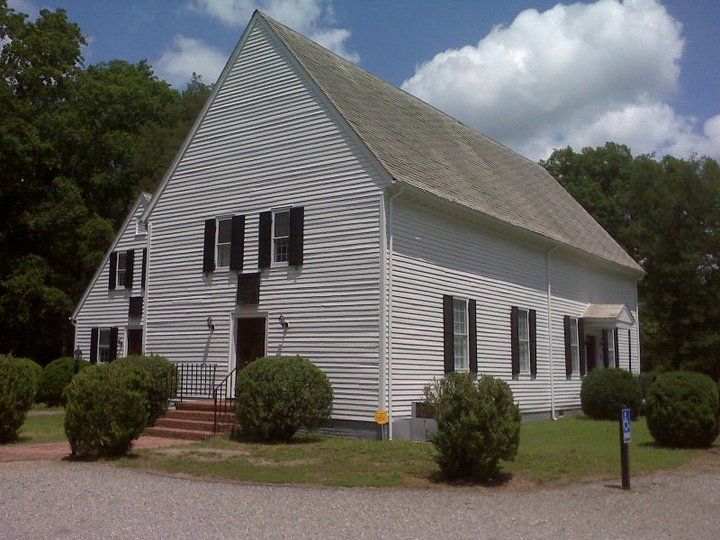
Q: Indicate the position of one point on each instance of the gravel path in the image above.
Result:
(80, 500)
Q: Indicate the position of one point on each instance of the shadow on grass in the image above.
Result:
(302, 439)
(500, 479)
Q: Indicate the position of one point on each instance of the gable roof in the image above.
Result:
(617, 312)
(427, 149)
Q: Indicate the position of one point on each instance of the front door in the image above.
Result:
(134, 341)
(249, 341)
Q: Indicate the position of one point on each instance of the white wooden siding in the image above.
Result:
(436, 254)
(103, 308)
(268, 141)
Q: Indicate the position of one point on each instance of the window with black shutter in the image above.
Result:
(135, 308)
(209, 246)
(629, 350)
(265, 225)
(248, 289)
(129, 268)
(112, 272)
(144, 268)
(297, 233)
(237, 243)
(616, 347)
(93, 345)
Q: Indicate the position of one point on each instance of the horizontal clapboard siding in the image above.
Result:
(267, 142)
(103, 308)
(436, 254)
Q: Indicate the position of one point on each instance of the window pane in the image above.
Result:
(460, 316)
(281, 249)
(121, 260)
(224, 255)
(224, 231)
(523, 325)
(524, 356)
(120, 281)
(282, 224)
(575, 353)
(462, 362)
(104, 337)
(573, 332)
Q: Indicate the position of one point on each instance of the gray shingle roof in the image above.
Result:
(427, 149)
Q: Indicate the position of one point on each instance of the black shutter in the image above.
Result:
(297, 225)
(472, 335)
(265, 240)
(568, 352)
(532, 328)
(112, 354)
(617, 348)
(129, 268)
(143, 272)
(248, 289)
(630, 350)
(135, 307)
(93, 345)
(448, 333)
(209, 246)
(514, 342)
(581, 345)
(112, 274)
(237, 243)
(605, 337)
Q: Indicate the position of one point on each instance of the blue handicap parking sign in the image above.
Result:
(626, 426)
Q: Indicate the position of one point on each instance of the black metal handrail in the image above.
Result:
(221, 396)
(195, 380)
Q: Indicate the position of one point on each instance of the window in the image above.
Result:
(574, 346)
(140, 228)
(224, 241)
(281, 236)
(524, 341)
(609, 337)
(460, 331)
(121, 262)
(104, 345)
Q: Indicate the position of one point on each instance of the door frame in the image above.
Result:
(239, 313)
(132, 326)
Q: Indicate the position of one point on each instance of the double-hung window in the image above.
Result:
(121, 264)
(104, 345)
(281, 236)
(574, 345)
(224, 241)
(460, 330)
(524, 341)
(610, 338)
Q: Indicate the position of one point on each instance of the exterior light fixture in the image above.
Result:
(77, 356)
(283, 322)
(210, 324)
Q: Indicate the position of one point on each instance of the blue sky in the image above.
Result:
(641, 72)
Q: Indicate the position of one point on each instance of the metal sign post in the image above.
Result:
(625, 438)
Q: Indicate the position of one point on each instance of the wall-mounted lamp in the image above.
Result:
(210, 324)
(283, 322)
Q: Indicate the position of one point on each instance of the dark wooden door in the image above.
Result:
(134, 344)
(249, 341)
(590, 352)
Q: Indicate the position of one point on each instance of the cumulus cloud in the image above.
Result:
(313, 18)
(572, 75)
(188, 55)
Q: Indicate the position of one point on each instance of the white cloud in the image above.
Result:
(578, 75)
(312, 18)
(188, 55)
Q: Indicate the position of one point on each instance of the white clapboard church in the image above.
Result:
(315, 209)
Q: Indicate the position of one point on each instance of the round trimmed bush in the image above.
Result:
(17, 389)
(155, 376)
(683, 410)
(55, 377)
(279, 395)
(35, 370)
(604, 392)
(104, 413)
(478, 424)
(646, 378)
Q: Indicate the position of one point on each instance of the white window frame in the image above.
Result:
(218, 244)
(461, 340)
(140, 229)
(120, 270)
(610, 333)
(101, 347)
(574, 346)
(275, 260)
(524, 353)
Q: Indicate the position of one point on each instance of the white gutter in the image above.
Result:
(550, 338)
(382, 390)
(390, 219)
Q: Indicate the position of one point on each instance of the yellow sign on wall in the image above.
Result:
(381, 417)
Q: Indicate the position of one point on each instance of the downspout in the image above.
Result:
(391, 247)
(549, 325)
(382, 320)
(146, 290)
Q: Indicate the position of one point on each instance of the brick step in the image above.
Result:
(192, 425)
(172, 433)
(206, 405)
(207, 416)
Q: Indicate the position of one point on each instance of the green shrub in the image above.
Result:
(645, 379)
(683, 409)
(104, 413)
(606, 391)
(154, 376)
(35, 370)
(17, 389)
(279, 395)
(55, 377)
(478, 424)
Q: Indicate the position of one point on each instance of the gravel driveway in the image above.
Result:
(79, 500)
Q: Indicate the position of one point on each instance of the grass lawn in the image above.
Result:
(569, 450)
(43, 428)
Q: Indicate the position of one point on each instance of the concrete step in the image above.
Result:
(207, 416)
(172, 433)
(192, 425)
